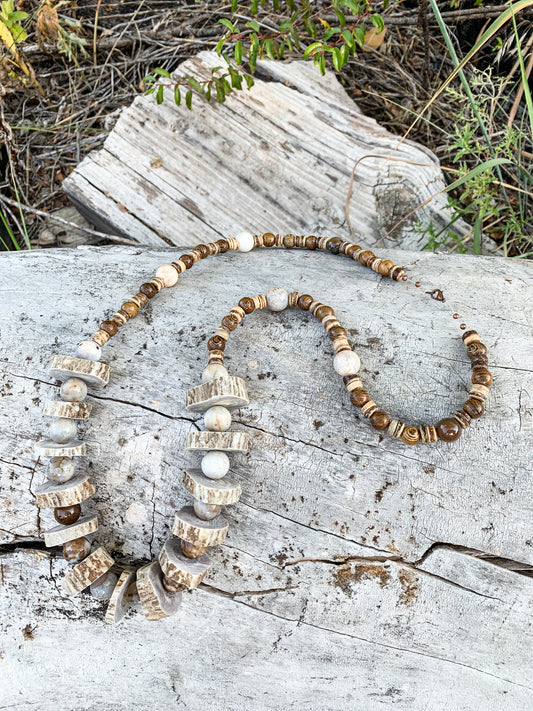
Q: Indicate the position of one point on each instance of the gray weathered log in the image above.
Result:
(276, 158)
(357, 572)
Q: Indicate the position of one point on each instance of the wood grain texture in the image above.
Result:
(291, 141)
(357, 572)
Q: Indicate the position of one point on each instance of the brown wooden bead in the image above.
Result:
(379, 420)
(223, 245)
(336, 332)
(366, 256)
(77, 549)
(202, 250)
(269, 240)
(216, 343)
(463, 418)
(359, 397)
(67, 514)
(247, 305)
(480, 360)
(397, 273)
(141, 299)
(323, 311)
(474, 408)
(230, 322)
(476, 349)
(448, 429)
(385, 267)
(109, 327)
(130, 308)
(191, 550)
(187, 260)
(311, 242)
(482, 377)
(470, 336)
(148, 290)
(334, 245)
(289, 241)
(410, 435)
(305, 301)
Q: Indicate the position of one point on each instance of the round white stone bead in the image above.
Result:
(215, 370)
(206, 512)
(245, 241)
(102, 589)
(63, 430)
(167, 274)
(73, 390)
(277, 299)
(217, 419)
(60, 469)
(215, 464)
(89, 350)
(346, 363)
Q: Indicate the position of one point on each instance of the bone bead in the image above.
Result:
(229, 392)
(479, 392)
(91, 371)
(72, 492)
(118, 604)
(62, 534)
(47, 448)
(187, 571)
(86, 572)
(214, 371)
(156, 601)
(215, 465)
(217, 419)
(72, 410)
(346, 363)
(73, 390)
(89, 350)
(60, 469)
(221, 492)
(220, 441)
(167, 274)
(277, 299)
(63, 430)
(103, 588)
(369, 408)
(428, 434)
(245, 241)
(202, 533)
(206, 512)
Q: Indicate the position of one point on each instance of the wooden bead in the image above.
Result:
(219, 441)
(230, 322)
(118, 604)
(379, 420)
(479, 392)
(482, 377)
(304, 302)
(191, 550)
(289, 241)
(479, 361)
(100, 337)
(410, 435)
(476, 349)
(72, 410)
(229, 392)
(58, 535)
(140, 299)
(448, 429)
(311, 242)
(211, 491)
(67, 514)
(148, 289)
(462, 418)
(396, 428)
(369, 408)
(247, 304)
(202, 250)
(216, 343)
(202, 533)
(323, 311)
(474, 408)
(333, 245)
(428, 434)
(352, 382)
(91, 371)
(397, 273)
(156, 601)
(269, 240)
(337, 332)
(130, 308)
(182, 569)
(365, 256)
(470, 337)
(77, 549)
(223, 245)
(73, 491)
(86, 572)
(359, 397)
(109, 327)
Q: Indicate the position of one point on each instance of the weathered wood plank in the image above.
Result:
(275, 158)
(343, 582)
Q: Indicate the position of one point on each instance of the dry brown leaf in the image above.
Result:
(373, 39)
(47, 23)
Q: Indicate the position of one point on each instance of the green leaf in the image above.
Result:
(188, 99)
(378, 23)
(313, 47)
(322, 64)
(234, 5)
(219, 46)
(348, 38)
(482, 168)
(336, 56)
(249, 80)
(238, 52)
(224, 21)
(340, 17)
(281, 50)
(162, 72)
(195, 84)
(269, 48)
(359, 35)
(208, 92)
(17, 16)
(477, 233)
(221, 95)
(236, 80)
(159, 94)
(253, 7)
(253, 25)
(345, 54)
(177, 95)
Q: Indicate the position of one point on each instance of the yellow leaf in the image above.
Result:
(373, 39)
(9, 41)
(324, 23)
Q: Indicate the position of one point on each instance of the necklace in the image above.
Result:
(184, 562)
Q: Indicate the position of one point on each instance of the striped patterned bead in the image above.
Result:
(369, 408)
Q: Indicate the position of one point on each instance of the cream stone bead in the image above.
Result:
(73, 390)
(215, 464)
(167, 274)
(217, 419)
(103, 588)
(206, 511)
(245, 240)
(215, 370)
(89, 350)
(346, 363)
(60, 469)
(277, 299)
(63, 430)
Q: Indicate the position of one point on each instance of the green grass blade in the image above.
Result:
(525, 82)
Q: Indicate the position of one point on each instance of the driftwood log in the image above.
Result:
(278, 155)
(357, 572)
